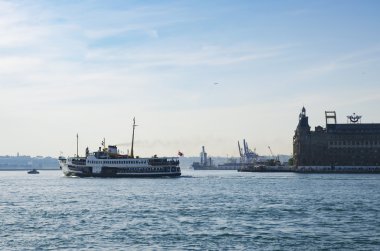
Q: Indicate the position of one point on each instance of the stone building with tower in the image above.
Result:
(350, 147)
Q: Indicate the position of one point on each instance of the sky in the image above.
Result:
(192, 73)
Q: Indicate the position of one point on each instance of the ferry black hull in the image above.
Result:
(86, 171)
(124, 175)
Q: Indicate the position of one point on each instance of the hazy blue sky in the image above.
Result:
(91, 66)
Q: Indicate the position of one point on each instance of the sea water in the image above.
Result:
(202, 210)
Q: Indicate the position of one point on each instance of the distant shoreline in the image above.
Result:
(27, 169)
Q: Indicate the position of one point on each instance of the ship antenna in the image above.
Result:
(77, 144)
(133, 136)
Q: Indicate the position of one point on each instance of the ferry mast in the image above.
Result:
(77, 145)
(133, 136)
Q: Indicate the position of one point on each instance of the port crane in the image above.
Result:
(270, 150)
(246, 154)
(276, 159)
(240, 150)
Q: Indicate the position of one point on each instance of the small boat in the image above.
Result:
(33, 171)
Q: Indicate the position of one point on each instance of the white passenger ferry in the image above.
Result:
(107, 162)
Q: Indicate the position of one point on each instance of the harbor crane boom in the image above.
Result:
(270, 150)
(274, 157)
(240, 150)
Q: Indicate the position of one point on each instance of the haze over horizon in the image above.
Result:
(89, 67)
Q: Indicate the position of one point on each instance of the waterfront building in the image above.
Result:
(350, 147)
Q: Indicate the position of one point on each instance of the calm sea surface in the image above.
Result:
(203, 210)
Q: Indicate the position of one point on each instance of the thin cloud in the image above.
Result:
(342, 62)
